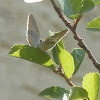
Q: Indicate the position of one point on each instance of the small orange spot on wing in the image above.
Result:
(45, 50)
(29, 41)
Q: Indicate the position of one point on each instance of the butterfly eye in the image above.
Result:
(41, 41)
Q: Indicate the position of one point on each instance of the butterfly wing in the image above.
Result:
(53, 40)
(33, 35)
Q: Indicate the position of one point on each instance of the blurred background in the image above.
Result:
(23, 80)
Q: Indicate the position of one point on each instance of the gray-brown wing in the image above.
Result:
(53, 40)
(33, 35)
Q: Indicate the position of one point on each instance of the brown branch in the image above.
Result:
(77, 21)
(60, 14)
(63, 75)
(73, 29)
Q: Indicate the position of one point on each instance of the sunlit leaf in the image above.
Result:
(32, 54)
(97, 2)
(78, 93)
(17, 47)
(94, 25)
(91, 83)
(54, 52)
(66, 61)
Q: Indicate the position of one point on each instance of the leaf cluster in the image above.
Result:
(64, 63)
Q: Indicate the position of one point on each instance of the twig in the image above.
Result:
(60, 14)
(73, 29)
(63, 75)
(77, 21)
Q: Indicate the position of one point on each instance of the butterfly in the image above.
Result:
(33, 36)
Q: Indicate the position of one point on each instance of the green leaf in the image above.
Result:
(54, 52)
(55, 56)
(61, 44)
(66, 61)
(78, 93)
(97, 2)
(71, 8)
(87, 6)
(74, 8)
(94, 25)
(54, 92)
(17, 47)
(91, 84)
(78, 55)
(32, 54)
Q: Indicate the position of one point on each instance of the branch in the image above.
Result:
(60, 14)
(73, 29)
(77, 21)
(63, 75)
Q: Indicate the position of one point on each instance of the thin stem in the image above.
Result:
(77, 21)
(63, 75)
(60, 14)
(73, 29)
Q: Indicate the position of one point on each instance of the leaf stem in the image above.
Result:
(76, 37)
(77, 21)
(63, 75)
